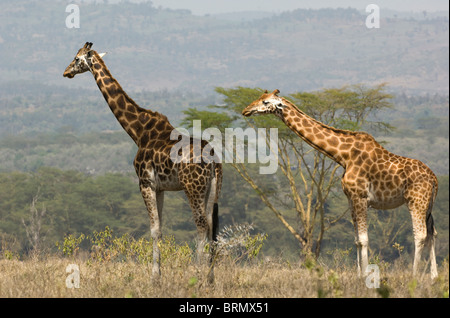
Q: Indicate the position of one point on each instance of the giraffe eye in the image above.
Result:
(265, 102)
(77, 59)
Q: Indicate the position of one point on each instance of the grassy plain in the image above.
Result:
(46, 277)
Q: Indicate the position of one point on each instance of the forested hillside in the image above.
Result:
(41, 126)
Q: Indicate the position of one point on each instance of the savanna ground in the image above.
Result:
(47, 278)
(121, 267)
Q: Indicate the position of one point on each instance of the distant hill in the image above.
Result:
(152, 48)
(170, 60)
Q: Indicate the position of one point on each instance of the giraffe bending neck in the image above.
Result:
(373, 177)
(130, 116)
(326, 139)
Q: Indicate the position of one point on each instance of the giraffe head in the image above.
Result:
(266, 104)
(82, 61)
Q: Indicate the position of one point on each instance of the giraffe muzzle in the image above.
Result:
(247, 113)
(68, 74)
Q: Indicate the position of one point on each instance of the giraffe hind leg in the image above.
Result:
(421, 239)
(197, 204)
(424, 232)
(204, 217)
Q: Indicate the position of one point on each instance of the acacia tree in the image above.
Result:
(298, 193)
(34, 225)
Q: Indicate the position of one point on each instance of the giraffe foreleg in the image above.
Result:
(358, 208)
(153, 201)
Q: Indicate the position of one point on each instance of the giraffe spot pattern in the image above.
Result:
(373, 176)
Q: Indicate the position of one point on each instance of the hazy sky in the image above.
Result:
(201, 7)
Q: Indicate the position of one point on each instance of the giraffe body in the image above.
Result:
(373, 177)
(156, 171)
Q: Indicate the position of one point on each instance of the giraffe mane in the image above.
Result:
(128, 98)
(334, 129)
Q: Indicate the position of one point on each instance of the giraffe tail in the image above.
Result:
(431, 231)
(218, 177)
(215, 224)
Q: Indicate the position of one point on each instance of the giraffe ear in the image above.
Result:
(102, 54)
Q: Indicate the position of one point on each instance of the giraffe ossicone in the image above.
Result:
(201, 181)
(373, 177)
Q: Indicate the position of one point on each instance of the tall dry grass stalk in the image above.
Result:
(46, 277)
(121, 267)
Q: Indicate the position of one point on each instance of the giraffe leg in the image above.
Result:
(420, 234)
(420, 207)
(359, 215)
(419, 243)
(153, 201)
(201, 221)
(421, 240)
(197, 201)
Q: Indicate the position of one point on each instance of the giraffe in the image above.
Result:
(157, 172)
(373, 177)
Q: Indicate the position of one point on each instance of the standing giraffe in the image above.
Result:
(157, 172)
(373, 177)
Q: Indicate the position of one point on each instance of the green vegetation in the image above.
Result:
(305, 179)
(65, 163)
(117, 266)
(91, 185)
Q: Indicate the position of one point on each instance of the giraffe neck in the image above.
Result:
(326, 139)
(131, 117)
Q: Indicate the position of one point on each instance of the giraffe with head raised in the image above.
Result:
(156, 170)
(373, 177)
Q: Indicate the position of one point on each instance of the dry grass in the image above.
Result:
(267, 279)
